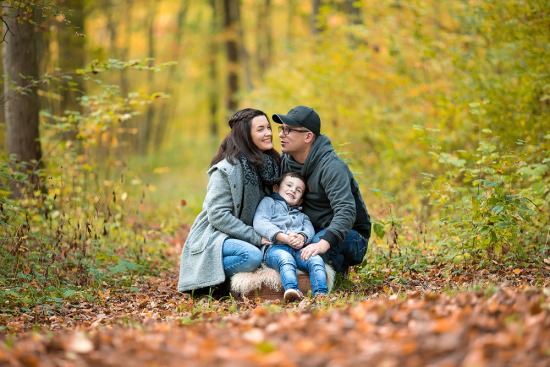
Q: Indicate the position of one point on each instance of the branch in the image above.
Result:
(8, 30)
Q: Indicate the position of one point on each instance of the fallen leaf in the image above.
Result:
(80, 343)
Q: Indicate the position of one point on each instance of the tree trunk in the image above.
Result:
(111, 26)
(147, 132)
(315, 25)
(230, 11)
(290, 29)
(265, 39)
(173, 79)
(213, 94)
(128, 141)
(21, 109)
(353, 11)
(243, 52)
(103, 150)
(71, 38)
(125, 50)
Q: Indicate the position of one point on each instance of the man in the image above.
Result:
(333, 201)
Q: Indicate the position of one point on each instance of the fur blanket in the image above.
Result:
(245, 283)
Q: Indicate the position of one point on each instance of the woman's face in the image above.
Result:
(260, 130)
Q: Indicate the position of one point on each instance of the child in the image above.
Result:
(279, 219)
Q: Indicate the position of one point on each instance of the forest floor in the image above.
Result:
(488, 323)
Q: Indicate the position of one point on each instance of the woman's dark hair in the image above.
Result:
(239, 140)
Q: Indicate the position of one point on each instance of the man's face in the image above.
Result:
(293, 139)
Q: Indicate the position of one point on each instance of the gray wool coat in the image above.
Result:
(201, 258)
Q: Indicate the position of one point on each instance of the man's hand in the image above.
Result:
(313, 249)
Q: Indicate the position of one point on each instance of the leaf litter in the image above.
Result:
(418, 326)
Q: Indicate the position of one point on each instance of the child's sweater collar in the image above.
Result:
(276, 196)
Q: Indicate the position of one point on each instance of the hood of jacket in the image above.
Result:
(321, 148)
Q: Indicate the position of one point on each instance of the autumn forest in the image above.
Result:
(113, 110)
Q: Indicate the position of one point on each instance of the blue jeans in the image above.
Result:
(240, 256)
(286, 260)
(349, 252)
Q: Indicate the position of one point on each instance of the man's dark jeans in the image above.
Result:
(347, 253)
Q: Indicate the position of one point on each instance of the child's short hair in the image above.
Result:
(297, 175)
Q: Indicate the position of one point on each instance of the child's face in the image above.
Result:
(292, 190)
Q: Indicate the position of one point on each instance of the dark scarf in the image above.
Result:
(258, 181)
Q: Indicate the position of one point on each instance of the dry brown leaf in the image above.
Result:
(79, 343)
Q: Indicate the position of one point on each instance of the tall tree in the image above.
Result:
(264, 49)
(243, 52)
(290, 28)
(21, 70)
(126, 45)
(111, 9)
(72, 40)
(316, 7)
(213, 49)
(112, 30)
(172, 84)
(146, 133)
(231, 12)
(353, 10)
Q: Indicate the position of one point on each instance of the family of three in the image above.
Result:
(295, 210)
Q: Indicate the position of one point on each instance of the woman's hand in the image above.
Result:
(265, 241)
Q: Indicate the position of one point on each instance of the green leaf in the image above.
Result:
(379, 230)
(497, 209)
(68, 293)
(376, 192)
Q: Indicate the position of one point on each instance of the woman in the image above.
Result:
(222, 241)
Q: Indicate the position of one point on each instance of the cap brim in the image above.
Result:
(284, 119)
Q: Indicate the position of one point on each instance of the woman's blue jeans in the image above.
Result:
(286, 260)
(349, 252)
(239, 256)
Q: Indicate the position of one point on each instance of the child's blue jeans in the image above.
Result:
(286, 260)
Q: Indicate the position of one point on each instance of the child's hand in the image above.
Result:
(296, 241)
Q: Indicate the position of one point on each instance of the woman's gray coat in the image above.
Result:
(201, 258)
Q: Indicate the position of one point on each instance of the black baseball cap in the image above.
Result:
(300, 116)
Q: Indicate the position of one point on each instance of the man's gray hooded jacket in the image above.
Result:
(333, 200)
